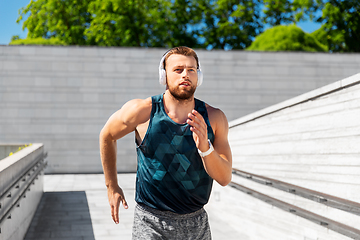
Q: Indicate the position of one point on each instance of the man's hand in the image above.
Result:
(116, 195)
(217, 164)
(199, 129)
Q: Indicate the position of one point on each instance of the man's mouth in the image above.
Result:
(185, 84)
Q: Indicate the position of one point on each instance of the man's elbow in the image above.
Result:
(225, 181)
(104, 135)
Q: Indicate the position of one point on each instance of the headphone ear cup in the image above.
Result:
(200, 77)
(162, 76)
(162, 72)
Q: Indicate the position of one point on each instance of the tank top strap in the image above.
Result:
(157, 103)
(157, 98)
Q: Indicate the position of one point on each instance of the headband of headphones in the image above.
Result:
(162, 72)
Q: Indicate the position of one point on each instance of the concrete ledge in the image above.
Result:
(6, 149)
(336, 86)
(15, 165)
(21, 188)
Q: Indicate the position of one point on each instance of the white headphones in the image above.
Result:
(162, 72)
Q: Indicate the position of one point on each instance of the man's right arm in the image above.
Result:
(121, 123)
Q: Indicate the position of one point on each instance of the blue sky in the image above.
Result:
(9, 12)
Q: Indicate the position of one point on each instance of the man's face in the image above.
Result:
(181, 76)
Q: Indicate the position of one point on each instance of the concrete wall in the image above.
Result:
(311, 141)
(62, 96)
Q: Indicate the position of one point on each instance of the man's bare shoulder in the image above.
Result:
(128, 117)
(216, 116)
(214, 112)
(139, 109)
(139, 104)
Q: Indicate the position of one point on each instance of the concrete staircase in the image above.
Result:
(311, 142)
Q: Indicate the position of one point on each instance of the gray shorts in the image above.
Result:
(154, 224)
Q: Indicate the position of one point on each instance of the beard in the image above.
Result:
(182, 94)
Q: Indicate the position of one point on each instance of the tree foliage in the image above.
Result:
(181, 27)
(219, 24)
(143, 23)
(341, 25)
(280, 12)
(286, 38)
(38, 41)
(118, 23)
(340, 30)
(231, 23)
(63, 19)
(151, 23)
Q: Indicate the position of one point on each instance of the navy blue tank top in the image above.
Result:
(170, 173)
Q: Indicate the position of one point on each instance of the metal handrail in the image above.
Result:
(16, 181)
(32, 173)
(326, 199)
(323, 221)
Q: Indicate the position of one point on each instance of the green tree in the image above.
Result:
(286, 38)
(341, 25)
(37, 41)
(279, 12)
(332, 39)
(152, 23)
(155, 23)
(183, 24)
(117, 23)
(219, 24)
(66, 20)
(231, 24)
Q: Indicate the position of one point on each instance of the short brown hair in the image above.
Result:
(182, 50)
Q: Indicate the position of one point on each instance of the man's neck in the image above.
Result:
(178, 109)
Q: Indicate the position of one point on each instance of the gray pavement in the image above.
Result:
(75, 206)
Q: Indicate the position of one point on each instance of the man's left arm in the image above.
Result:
(218, 164)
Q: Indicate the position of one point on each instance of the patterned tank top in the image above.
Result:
(170, 173)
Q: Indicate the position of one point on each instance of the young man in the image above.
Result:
(182, 146)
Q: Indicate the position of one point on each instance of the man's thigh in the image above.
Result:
(153, 224)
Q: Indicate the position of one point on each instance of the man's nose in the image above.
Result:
(185, 73)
